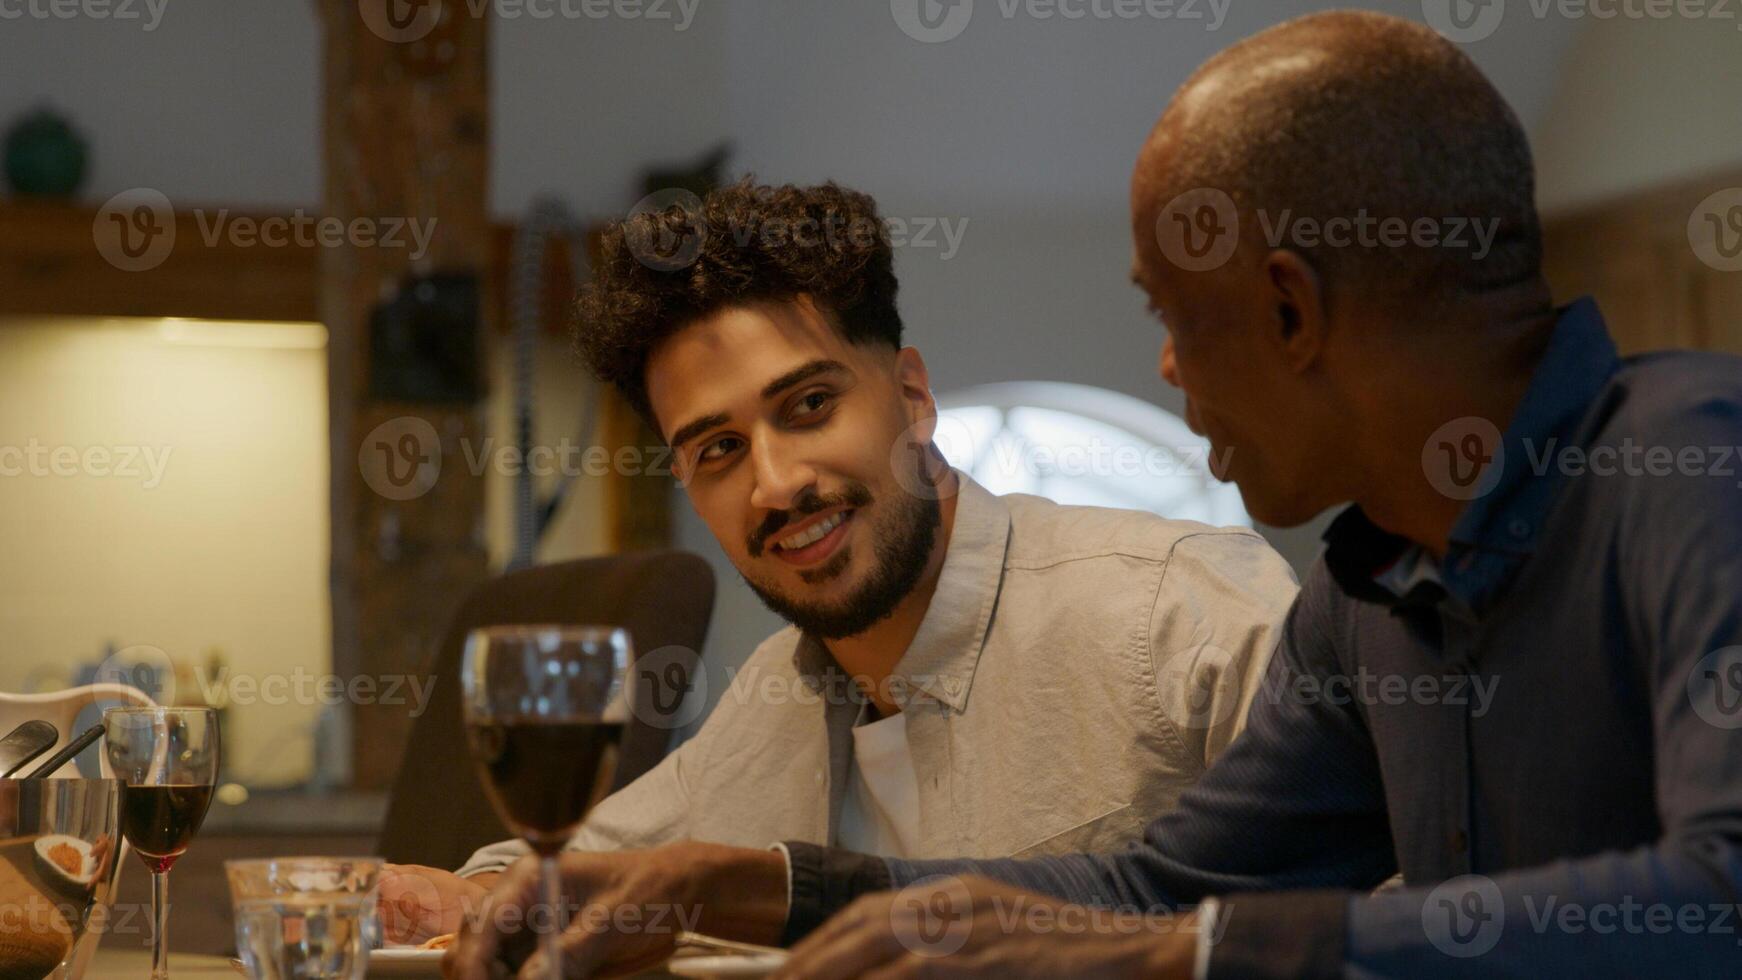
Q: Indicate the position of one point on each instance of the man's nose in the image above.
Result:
(781, 476)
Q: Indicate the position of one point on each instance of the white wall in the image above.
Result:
(223, 544)
(1639, 103)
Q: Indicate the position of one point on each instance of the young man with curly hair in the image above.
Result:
(964, 673)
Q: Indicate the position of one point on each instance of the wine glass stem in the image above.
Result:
(548, 938)
(160, 912)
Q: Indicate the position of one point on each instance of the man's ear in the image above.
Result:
(1298, 301)
(913, 384)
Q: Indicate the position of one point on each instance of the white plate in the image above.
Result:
(405, 961)
(722, 967)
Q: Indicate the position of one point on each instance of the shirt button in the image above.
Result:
(1519, 528)
(819, 777)
(953, 686)
(1460, 841)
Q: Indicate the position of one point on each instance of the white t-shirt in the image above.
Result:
(880, 814)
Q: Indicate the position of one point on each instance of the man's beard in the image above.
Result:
(902, 547)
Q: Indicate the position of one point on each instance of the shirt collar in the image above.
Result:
(942, 658)
(1497, 531)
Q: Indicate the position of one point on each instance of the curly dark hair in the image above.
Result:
(745, 243)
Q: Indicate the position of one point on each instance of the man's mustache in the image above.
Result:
(854, 495)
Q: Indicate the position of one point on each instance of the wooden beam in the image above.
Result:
(406, 136)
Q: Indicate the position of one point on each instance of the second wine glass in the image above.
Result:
(544, 709)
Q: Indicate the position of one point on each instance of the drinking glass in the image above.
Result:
(544, 711)
(167, 761)
(304, 918)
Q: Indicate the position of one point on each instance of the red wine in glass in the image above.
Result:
(159, 821)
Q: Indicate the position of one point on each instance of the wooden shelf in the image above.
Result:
(50, 266)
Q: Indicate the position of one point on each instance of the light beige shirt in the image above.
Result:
(1077, 669)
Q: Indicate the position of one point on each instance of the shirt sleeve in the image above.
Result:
(1295, 802)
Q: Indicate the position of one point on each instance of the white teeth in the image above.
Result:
(814, 533)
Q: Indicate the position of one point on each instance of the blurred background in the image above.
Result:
(283, 291)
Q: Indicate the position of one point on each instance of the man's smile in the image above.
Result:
(813, 539)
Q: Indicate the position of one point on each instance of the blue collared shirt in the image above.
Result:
(1545, 738)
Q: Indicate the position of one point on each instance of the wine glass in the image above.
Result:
(544, 711)
(167, 761)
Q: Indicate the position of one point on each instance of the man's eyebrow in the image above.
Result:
(799, 375)
(696, 428)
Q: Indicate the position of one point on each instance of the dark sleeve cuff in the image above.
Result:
(1276, 935)
(824, 880)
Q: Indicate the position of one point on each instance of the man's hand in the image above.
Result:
(622, 911)
(419, 903)
(961, 927)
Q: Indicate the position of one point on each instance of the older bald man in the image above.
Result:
(1514, 676)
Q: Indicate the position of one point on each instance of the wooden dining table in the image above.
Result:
(130, 964)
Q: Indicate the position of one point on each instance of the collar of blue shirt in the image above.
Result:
(1496, 533)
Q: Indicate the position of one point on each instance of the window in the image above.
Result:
(1080, 445)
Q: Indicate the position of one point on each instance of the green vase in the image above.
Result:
(44, 156)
